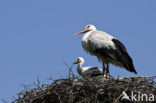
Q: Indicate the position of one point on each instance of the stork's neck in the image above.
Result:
(89, 32)
(86, 35)
(79, 68)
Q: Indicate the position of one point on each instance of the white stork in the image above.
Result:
(86, 71)
(107, 49)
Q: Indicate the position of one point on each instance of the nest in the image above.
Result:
(95, 90)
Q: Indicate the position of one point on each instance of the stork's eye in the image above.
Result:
(88, 26)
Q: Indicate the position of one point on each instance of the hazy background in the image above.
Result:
(36, 35)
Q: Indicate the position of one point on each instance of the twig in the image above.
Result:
(59, 97)
(51, 78)
(137, 77)
(39, 86)
(70, 70)
(116, 101)
(38, 81)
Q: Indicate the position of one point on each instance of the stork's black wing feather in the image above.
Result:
(93, 71)
(123, 56)
(93, 68)
(96, 72)
(119, 54)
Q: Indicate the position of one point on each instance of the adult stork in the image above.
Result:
(107, 49)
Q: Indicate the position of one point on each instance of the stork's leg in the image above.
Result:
(104, 69)
(107, 68)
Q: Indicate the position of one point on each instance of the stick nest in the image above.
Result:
(95, 90)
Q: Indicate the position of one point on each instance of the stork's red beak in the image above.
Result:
(83, 31)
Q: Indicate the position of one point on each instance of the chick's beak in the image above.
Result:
(75, 62)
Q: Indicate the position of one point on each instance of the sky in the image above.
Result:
(36, 36)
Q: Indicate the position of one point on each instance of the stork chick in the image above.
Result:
(86, 71)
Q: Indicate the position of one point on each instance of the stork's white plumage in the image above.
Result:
(86, 71)
(107, 49)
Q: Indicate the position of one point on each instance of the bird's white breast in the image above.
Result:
(97, 39)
